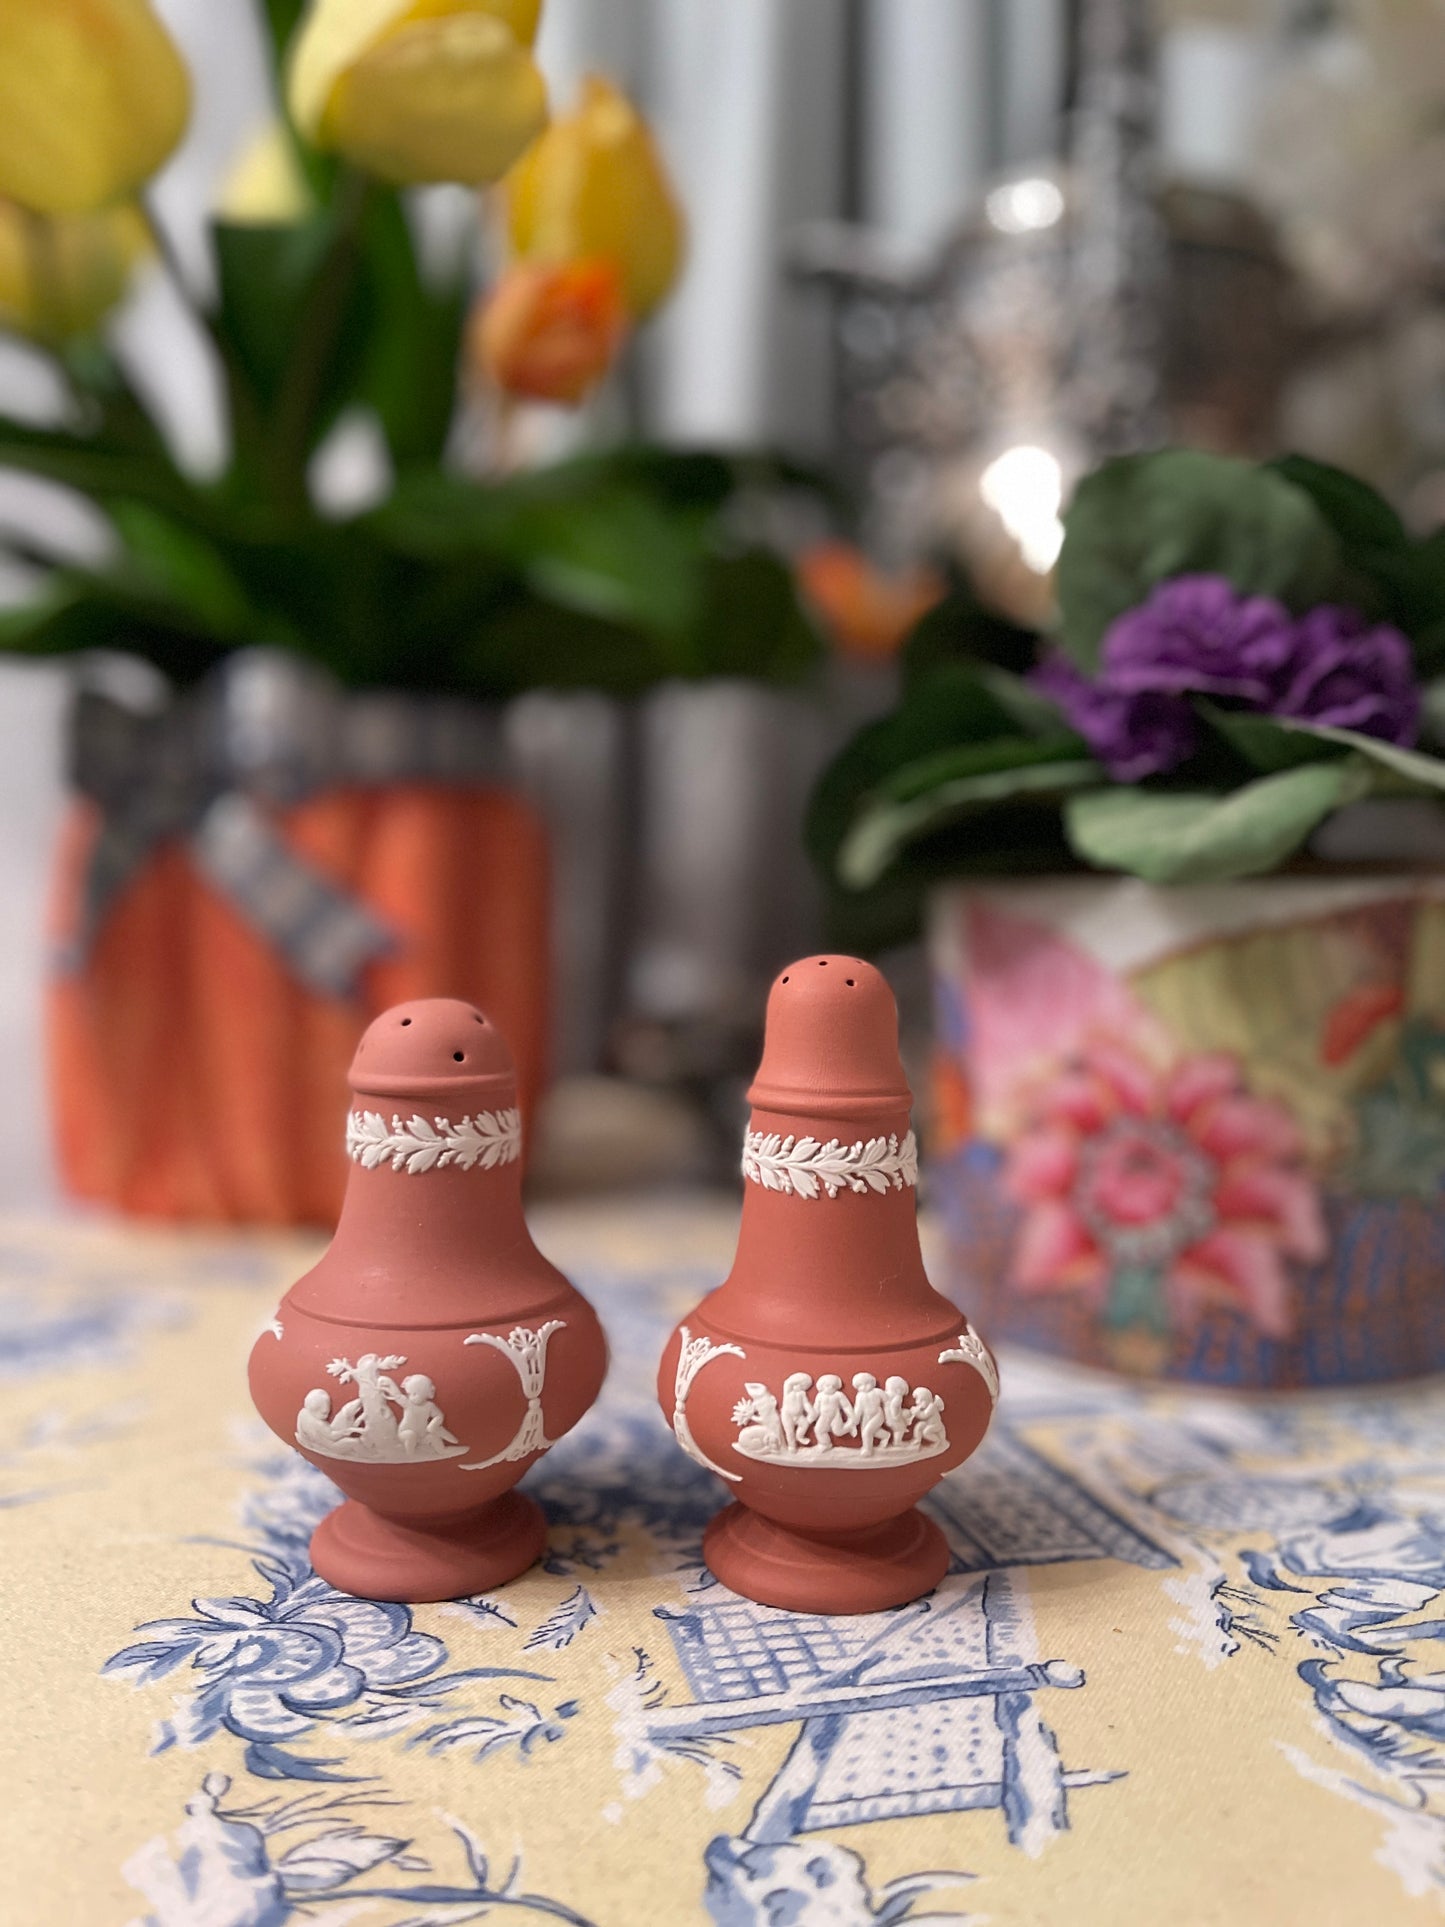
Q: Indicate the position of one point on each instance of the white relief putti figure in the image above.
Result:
(894, 1415)
(833, 1416)
(869, 1413)
(881, 1425)
(806, 1167)
(527, 1350)
(797, 1409)
(971, 1350)
(422, 1426)
(418, 1144)
(366, 1427)
(928, 1419)
(693, 1355)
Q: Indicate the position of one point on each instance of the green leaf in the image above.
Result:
(527, 643)
(623, 558)
(436, 517)
(77, 613)
(613, 553)
(1142, 518)
(1266, 743)
(949, 786)
(694, 479)
(1393, 576)
(282, 18)
(1189, 837)
(1360, 516)
(1414, 585)
(265, 275)
(961, 629)
(1414, 770)
(953, 709)
(95, 469)
(185, 569)
(750, 623)
(413, 338)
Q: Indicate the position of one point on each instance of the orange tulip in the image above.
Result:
(550, 331)
(864, 612)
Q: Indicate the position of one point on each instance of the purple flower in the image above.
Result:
(1132, 735)
(1343, 672)
(1197, 635)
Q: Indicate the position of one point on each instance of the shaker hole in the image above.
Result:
(404, 1022)
(822, 963)
(459, 1057)
(785, 980)
(849, 982)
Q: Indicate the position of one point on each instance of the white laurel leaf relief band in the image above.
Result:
(693, 1354)
(971, 1350)
(527, 1350)
(417, 1144)
(805, 1167)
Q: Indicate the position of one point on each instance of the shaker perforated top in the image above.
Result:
(831, 1044)
(434, 1048)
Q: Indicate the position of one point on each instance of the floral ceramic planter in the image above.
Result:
(1197, 1132)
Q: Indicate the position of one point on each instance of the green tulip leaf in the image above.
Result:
(750, 622)
(1198, 837)
(1142, 518)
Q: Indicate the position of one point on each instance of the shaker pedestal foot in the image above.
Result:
(863, 1571)
(359, 1552)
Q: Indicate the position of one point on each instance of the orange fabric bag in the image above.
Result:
(194, 1077)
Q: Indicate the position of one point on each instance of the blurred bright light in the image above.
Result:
(1021, 207)
(1025, 488)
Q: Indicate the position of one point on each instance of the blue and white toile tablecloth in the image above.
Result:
(1188, 1666)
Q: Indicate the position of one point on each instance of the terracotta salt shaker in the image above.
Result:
(433, 1353)
(826, 1380)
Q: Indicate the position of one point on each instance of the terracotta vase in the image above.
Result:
(433, 1353)
(826, 1380)
(184, 1019)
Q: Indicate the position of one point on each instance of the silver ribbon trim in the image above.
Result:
(209, 767)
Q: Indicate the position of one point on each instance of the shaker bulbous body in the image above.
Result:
(432, 1354)
(826, 1381)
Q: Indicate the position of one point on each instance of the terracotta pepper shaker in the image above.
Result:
(433, 1353)
(826, 1380)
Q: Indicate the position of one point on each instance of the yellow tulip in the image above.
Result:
(594, 184)
(93, 97)
(61, 275)
(264, 185)
(420, 90)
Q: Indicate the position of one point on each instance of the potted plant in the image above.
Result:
(1186, 927)
(309, 816)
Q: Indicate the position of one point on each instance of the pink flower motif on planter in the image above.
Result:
(1155, 1193)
